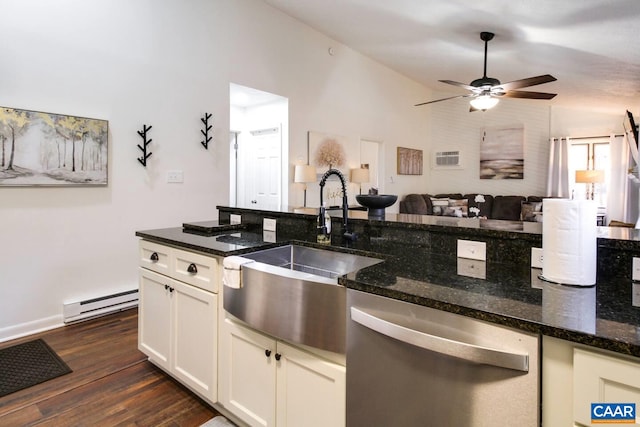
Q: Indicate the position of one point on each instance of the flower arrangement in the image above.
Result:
(330, 153)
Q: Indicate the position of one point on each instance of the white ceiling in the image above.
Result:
(591, 46)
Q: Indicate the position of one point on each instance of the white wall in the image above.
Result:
(163, 63)
(455, 128)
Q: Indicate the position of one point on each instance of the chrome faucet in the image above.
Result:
(345, 213)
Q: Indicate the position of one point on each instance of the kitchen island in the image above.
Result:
(422, 267)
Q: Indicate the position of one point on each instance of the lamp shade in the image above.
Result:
(484, 102)
(304, 173)
(358, 176)
(589, 176)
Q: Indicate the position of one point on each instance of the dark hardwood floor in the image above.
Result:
(112, 383)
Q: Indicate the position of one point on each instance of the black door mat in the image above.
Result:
(27, 364)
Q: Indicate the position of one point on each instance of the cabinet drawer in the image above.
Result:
(195, 269)
(155, 257)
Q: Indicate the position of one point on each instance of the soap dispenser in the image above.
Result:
(324, 226)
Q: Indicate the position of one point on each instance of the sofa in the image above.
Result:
(513, 208)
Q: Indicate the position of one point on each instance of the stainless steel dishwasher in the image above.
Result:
(409, 365)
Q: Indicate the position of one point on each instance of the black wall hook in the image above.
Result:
(143, 135)
(205, 131)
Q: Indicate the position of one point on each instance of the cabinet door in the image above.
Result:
(310, 391)
(194, 360)
(154, 321)
(248, 374)
(601, 378)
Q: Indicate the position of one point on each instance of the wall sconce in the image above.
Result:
(358, 176)
(304, 174)
(589, 177)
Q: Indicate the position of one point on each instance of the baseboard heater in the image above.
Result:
(87, 309)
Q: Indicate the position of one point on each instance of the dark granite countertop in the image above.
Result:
(601, 316)
(224, 243)
(510, 294)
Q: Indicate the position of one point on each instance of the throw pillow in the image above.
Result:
(416, 204)
(531, 211)
(439, 205)
(458, 208)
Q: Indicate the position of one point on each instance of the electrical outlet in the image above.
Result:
(536, 257)
(635, 270)
(175, 176)
(269, 224)
(635, 294)
(472, 250)
(235, 219)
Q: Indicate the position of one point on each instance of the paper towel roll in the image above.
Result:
(569, 236)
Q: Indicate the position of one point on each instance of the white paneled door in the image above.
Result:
(264, 154)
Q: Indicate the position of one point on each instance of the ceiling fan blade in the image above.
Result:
(528, 94)
(531, 81)
(462, 85)
(445, 99)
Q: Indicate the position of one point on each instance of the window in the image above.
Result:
(589, 154)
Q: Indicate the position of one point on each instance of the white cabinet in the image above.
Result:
(574, 376)
(266, 382)
(177, 320)
(600, 378)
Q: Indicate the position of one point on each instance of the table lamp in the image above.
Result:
(304, 174)
(360, 175)
(589, 177)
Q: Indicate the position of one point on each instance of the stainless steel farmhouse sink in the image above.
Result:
(292, 292)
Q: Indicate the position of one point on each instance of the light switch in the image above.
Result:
(472, 250)
(175, 176)
(269, 224)
(235, 219)
(635, 294)
(536, 257)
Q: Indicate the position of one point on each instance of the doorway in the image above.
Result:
(259, 158)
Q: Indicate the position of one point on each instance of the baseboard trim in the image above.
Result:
(28, 328)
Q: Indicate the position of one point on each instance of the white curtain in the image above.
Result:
(558, 176)
(622, 192)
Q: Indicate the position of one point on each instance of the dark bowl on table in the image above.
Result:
(376, 203)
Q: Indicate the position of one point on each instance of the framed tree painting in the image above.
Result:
(47, 149)
(409, 161)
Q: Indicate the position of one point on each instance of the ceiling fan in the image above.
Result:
(486, 91)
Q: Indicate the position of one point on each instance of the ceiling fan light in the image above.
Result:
(484, 102)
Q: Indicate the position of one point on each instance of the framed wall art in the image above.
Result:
(502, 153)
(47, 149)
(409, 161)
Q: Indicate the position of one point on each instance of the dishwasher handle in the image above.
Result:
(461, 350)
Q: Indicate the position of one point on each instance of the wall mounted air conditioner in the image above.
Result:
(451, 159)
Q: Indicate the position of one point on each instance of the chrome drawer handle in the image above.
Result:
(461, 350)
